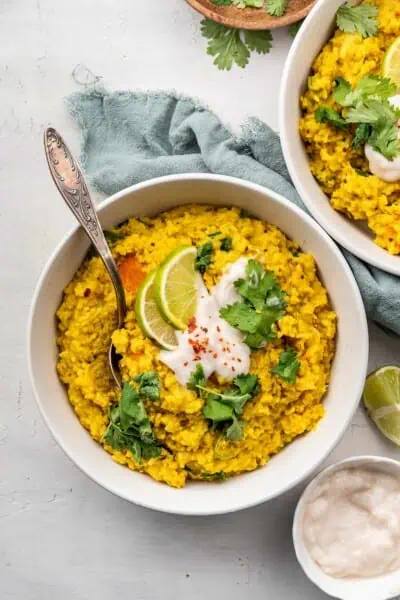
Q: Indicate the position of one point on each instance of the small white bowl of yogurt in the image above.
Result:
(346, 529)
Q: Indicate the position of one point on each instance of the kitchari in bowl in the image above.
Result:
(350, 118)
(226, 350)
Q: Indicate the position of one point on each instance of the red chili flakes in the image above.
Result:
(233, 369)
(204, 329)
(218, 329)
(215, 355)
(87, 292)
(225, 364)
(185, 364)
(192, 324)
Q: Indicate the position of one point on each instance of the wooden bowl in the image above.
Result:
(251, 18)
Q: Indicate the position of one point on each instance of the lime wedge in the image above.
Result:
(176, 288)
(391, 63)
(382, 401)
(148, 316)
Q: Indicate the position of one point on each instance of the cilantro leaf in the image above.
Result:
(149, 385)
(222, 2)
(263, 304)
(248, 384)
(203, 258)
(371, 111)
(217, 411)
(234, 432)
(325, 114)
(384, 139)
(358, 19)
(341, 91)
(241, 316)
(129, 427)
(294, 28)
(225, 44)
(212, 235)
(232, 46)
(259, 41)
(288, 366)
(226, 244)
(223, 407)
(276, 8)
(196, 378)
(219, 476)
(361, 135)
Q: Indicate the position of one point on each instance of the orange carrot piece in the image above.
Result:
(131, 273)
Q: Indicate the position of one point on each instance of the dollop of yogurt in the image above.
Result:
(388, 170)
(351, 523)
(209, 340)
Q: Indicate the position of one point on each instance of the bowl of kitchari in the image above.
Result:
(233, 352)
(340, 124)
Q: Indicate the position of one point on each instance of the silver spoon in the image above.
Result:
(70, 183)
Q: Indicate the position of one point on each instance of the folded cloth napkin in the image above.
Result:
(130, 137)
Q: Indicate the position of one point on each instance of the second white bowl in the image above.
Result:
(352, 235)
(375, 588)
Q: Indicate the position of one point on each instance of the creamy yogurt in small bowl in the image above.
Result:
(346, 529)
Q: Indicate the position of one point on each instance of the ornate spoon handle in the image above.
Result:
(71, 184)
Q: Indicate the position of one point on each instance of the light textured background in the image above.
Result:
(61, 536)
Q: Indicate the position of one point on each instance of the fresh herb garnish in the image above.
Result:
(223, 407)
(294, 28)
(149, 385)
(367, 107)
(276, 8)
(325, 114)
(263, 304)
(232, 46)
(196, 379)
(212, 235)
(358, 19)
(203, 258)
(112, 237)
(288, 365)
(361, 135)
(220, 476)
(226, 244)
(130, 428)
(244, 214)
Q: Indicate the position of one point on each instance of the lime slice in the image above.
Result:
(148, 316)
(176, 288)
(391, 63)
(382, 401)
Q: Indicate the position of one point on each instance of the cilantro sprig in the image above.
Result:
(233, 46)
(130, 427)
(288, 365)
(369, 109)
(263, 303)
(277, 8)
(222, 408)
(239, 3)
(358, 19)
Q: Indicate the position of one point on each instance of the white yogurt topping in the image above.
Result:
(388, 170)
(209, 340)
(351, 524)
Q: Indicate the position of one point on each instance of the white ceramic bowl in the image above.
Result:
(297, 460)
(353, 235)
(376, 588)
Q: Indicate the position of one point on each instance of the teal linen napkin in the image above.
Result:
(130, 137)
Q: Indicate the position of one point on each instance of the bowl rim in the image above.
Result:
(363, 340)
(300, 548)
(380, 257)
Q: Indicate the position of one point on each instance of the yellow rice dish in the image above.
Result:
(340, 169)
(281, 411)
